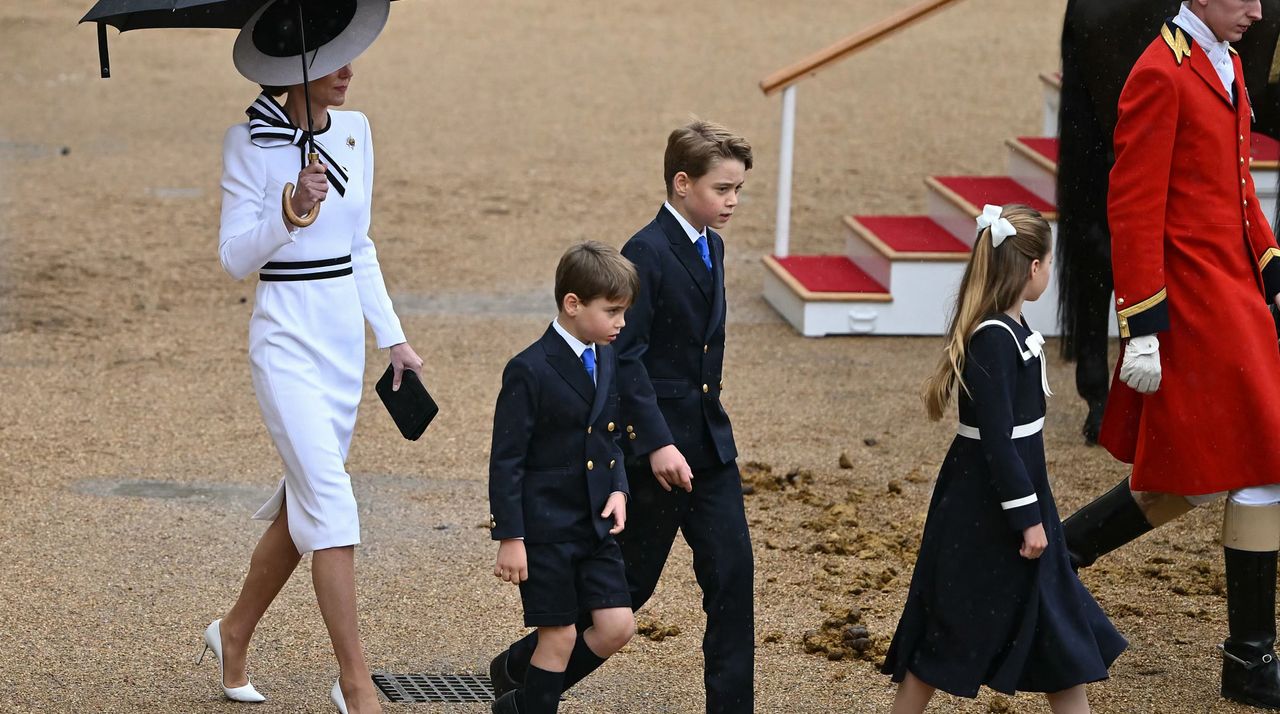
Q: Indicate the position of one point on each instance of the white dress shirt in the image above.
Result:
(577, 345)
(688, 227)
(1219, 52)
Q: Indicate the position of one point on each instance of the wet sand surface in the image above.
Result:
(131, 447)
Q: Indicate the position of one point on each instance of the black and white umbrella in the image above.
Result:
(324, 18)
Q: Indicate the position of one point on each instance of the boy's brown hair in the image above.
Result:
(699, 145)
(593, 270)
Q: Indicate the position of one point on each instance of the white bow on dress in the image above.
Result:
(1035, 345)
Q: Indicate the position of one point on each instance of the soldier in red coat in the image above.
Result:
(1195, 400)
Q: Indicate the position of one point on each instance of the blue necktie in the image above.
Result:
(589, 361)
(701, 244)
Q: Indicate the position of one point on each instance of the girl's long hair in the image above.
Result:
(993, 281)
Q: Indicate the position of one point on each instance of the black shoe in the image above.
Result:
(507, 704)
(1093, 423)
(1250, 673)
(1104, 524)
(499, 678)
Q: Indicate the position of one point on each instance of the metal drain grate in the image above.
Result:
(413, 688)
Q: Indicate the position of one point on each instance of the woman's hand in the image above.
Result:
(311, 189)
(403, 357)
(1033, 542)
(513, 562)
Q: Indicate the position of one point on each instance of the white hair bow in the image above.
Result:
(1001, 228)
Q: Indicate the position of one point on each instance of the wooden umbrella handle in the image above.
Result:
(290, 215)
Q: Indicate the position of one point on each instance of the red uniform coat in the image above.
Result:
(1195, 263)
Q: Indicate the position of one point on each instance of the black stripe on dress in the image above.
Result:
(294, 277)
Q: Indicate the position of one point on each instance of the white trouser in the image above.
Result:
(1252, 496)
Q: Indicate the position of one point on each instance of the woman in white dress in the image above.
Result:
(317, 285)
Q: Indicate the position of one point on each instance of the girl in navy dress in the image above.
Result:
(993, 599)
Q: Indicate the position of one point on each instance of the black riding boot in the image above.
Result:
(1106, 523)
(1250, 673)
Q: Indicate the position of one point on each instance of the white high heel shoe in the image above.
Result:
(213, 641)
(336, 695)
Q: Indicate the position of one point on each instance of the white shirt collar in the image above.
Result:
(688, 227)
(577, 345)
(1218, 51)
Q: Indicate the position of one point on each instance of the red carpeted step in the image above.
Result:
(1264, 150)
(911, 235)
(829, 274)
(1045, 146)
(972, 192)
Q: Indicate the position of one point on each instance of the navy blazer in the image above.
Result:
(671, 351)
(555, 456)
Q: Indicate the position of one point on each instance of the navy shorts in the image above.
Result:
(566, 579)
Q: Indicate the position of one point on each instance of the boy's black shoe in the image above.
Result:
(507, 704)
(1250, 673)
(499, 678)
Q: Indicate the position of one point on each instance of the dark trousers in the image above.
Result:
(714, 524)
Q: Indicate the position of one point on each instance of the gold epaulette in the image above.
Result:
(1177, 41)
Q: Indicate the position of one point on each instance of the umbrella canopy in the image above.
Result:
(326, 20)
(125, 15)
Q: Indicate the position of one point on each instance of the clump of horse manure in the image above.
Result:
(655, 630)
(842, 637)
(757, 476)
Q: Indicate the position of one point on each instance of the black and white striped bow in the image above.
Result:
(270, 127)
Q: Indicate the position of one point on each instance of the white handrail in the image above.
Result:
(786, 151)
(786, 80)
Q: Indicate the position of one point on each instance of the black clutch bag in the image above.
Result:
(411, 407)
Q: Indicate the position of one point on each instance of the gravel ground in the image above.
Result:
(132, 452)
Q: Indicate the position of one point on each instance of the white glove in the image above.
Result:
(1140, 367)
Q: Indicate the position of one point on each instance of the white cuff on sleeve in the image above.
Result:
(1018, 502)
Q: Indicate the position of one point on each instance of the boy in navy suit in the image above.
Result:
(557, 485)
(680, 450)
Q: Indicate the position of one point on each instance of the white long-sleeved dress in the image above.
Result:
(316, 287)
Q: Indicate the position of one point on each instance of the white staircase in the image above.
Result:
(899, 274)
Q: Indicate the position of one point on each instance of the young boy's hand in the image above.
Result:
(616, 507)
(670, 468)
(1034, 542)
(513, 563)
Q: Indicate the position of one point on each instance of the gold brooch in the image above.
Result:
(351, 142)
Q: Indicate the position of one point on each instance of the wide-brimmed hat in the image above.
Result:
(337, 31)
